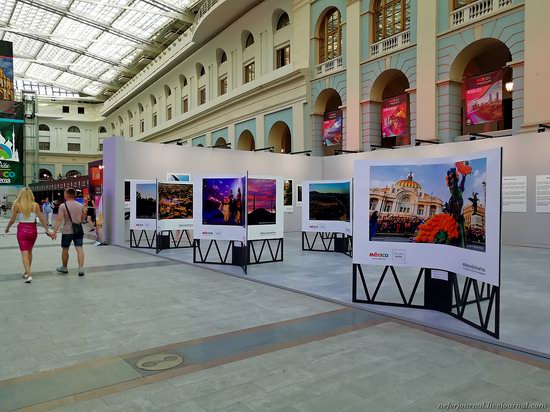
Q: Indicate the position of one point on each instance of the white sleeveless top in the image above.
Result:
(30, 219)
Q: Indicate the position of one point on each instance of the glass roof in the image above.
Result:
(89, 46)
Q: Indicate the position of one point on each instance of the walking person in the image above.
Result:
(25, 210)
(90, 204)
(4, 204)
(47, 210)
(71, 215)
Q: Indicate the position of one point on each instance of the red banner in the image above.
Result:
(483, 95)
(395, 124)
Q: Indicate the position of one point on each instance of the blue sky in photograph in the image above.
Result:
(147, 190)
(431, 177)
(342, 187)
(6, 64)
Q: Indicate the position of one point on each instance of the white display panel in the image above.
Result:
(265, 210)
(514, 194)
(440, 213)
(178, 177)
(288, 198)
(175, 206)
(143, 204)
(326, 206)
(216, 214)
(542, 198)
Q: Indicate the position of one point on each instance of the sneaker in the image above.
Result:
(62, 269)
(28, 279)
(97, 243)
(81, 272)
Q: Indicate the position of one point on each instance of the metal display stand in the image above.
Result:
(237, 250)
(259, 254)
(328, 242)
(136, 241)
(452, 296)
(183, 241)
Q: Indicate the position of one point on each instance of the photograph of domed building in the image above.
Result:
(435, 203)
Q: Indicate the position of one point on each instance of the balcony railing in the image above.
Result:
(390, 44)
(329, 66)
(477, 10)
(203, 10)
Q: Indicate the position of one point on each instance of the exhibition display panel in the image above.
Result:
(439, 214)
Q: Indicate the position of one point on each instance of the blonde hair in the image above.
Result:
(25, 202)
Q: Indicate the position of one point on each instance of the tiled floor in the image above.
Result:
(132, 302)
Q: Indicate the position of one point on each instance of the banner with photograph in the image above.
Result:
(288, 197)
(298, 195)
(265, 208)
(437, 213)
(143, 204)
(175, 206)
(326, 206)
(332, 128)
(484, 98)
(395, 121)
(11, 146)
(7, 89)
(219, 208)
(178, 177)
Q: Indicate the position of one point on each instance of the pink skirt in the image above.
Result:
(26, 236)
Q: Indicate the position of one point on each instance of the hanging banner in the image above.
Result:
(332, 128)
(7, 91)
(327, 206)
(484, 98)
(178, 177)
(11, 147)
(288, 198)
(395, 122)
(437, 213)
(265, 207)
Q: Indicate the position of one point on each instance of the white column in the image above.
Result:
(352, 118)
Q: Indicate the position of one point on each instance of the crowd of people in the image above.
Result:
(401, 225)
(68, 221)
(232, 206)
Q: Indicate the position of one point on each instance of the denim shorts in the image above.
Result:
(67, 239)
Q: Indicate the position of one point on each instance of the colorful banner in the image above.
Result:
(483, 95)
(7, 94)
(11, 146)
(395, 123)
(332, 128)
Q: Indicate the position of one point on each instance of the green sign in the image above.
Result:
(11, 148)
(11, 173)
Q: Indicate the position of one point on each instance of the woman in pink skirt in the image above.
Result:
(25, 210)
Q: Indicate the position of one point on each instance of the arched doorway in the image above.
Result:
(329, 122)
(280, 138)
(45, 174)
(390, 89)
(73, 173)
(220, 141)
(246, 141)
(483, 87)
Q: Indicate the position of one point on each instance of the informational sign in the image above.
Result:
(7, 92)
(439, 213)
(288, 197)
(395, 121)
(178, 177)
(298, 195)
(327, 206)
(219, 208)
(332, 128)
(175, 206)
(514, 194)
(440, 275)
(143, 204)
(265, 215)
(11, 146)
(543, 194)
(483, 95)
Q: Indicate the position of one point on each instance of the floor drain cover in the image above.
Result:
(159, 362)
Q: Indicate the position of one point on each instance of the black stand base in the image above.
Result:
(138, 241)
(167, 239)
(257, 251)
(327, 242)
(214, 255)
(452, 296)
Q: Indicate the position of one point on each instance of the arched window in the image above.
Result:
(167, 91)
(391, 17)
(73, 173)
(45, 174)
(120, 120)
(223, 57)
(153, 100)
(330, 36)
(102, 129)
(183, 81)
(43, 128)
(140, 108)
(283, 21)
(130, 115)
(74, 129)
(249, 41)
